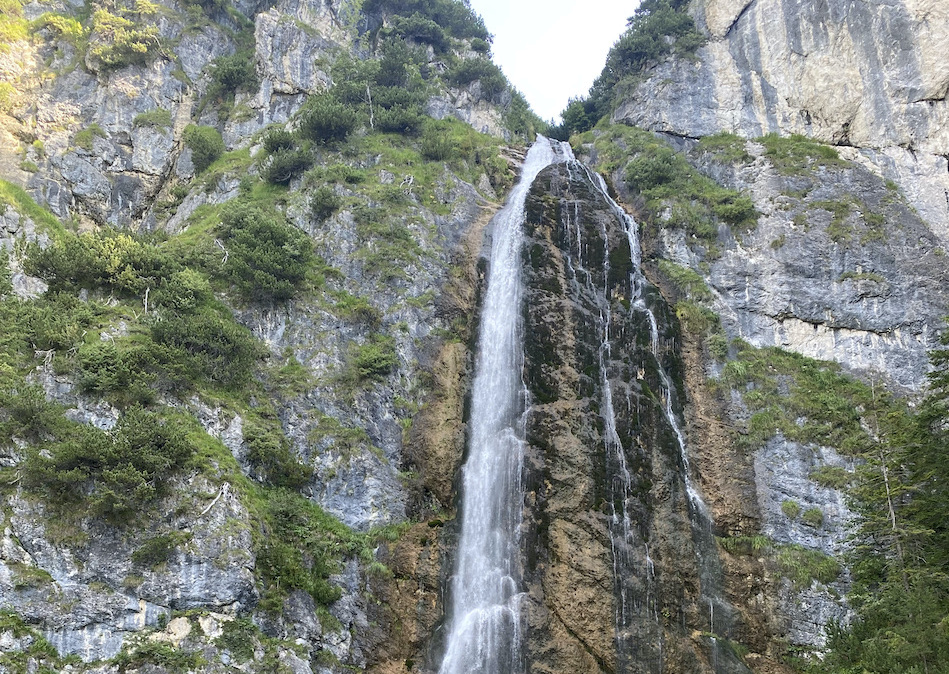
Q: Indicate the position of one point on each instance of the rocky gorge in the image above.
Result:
(247, 249)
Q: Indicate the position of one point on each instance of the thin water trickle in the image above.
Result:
(484, 632)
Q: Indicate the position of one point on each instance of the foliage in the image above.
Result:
(492, 80)
(727, 147)
(278, 139)
(238, 636)
(208, 347)
(271, 458)
(158, 653)
(323, 119)
(110, 259)
(85, 137)
(324, 202)
(791, 509)
(64, 27)
(158, 549)
(115, 473)
(803, 565)
(267, 257)
(657, 30)
(795, 154)
(17, 198)
(420, 29)
(116, 41)
(686, 280)
(233, 73)
(284, 165)
(156, 117)
(813, 517)
(205, 143)
(455, 17)
(369, 362)
(300, 549)
(676, 195)
(831, 477)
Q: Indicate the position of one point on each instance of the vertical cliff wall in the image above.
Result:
(867, 76)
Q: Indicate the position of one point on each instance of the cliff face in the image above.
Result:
(359, 379)
(868, 75)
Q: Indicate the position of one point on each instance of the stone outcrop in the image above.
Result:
(869, 75)
(606, 596)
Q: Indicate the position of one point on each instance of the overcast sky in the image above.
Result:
(553, 49)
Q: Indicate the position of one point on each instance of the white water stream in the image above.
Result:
(484, 632)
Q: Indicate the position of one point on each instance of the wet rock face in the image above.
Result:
(599, 601)
(871, 75)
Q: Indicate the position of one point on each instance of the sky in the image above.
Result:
(553, 49)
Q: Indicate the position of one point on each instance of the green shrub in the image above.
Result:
(158, 653)
(116, 473)
(86, 136)
(324, 119)
(278, 139)
(398, 119)
(158, 549)
(324, 202)
(455, 17)
(803, 566)
(233, 73)
(206, 145)
(207, 347)
(284, 165)
(370, 361)
(239, 637)
(300, 550)
(813, 517)
(420, 29)
(436, 144)
(686, 280)
(271, 458)
(480, 46)
(268, 259)
(64, 27)
(116, 42)
(117, 261)
(796, 154)
(156, 117)
(493, 82)
(652, 169)
(791, 509)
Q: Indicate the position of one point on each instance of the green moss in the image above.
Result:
(157, 550)
(84, 138)
(798, 155)
(156, 117)
(813, 517)
(676, 194)
(17, 198)
(803, 566)
(726, 147)
(804, 400)
(860, 276)
(791, 509)
(686, 281)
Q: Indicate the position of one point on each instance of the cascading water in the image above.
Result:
(484, 633)
(706, 551)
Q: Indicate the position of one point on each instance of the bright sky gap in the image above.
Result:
(552, 50)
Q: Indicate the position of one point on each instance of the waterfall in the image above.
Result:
(699, 515)
(484, 632)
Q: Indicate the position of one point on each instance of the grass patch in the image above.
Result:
(798, 155)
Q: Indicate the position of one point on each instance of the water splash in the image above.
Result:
(484, 633)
